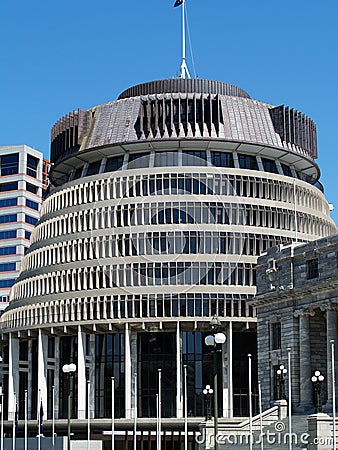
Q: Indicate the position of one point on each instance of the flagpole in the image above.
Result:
(25, 419)
(39, 422)
(159, 407)
(2, 420)
(135, 410)
(88, 415)
(185, 408)
(113, 413)
(14, 423)
(53, 415)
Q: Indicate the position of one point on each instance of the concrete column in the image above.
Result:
(13, 374)
(56, 377)
(81, 374)
(227, 375)
(331, 333)
(42, 373)
(305, 361)
(128, 374)
(179, 381)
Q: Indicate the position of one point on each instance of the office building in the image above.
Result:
(22, 186)
(164, 199)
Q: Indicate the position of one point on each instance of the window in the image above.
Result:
(222, 159)
(31, 188)
(32, 166)
(7, 267)
(8, 218)
(10, 234)
(30, 219)
(27, 234)
(31, 204)
(138, 160)
(269, 165)
(6, 283)
(276, 336)
(286, 170)
(9, 164)
(312, 268)
(23, 350)
(51, 347)
(247, 162)
(8, 202)
(7, 251)
(93, 168)
(113, 164)
(194, 158)
(13, 186)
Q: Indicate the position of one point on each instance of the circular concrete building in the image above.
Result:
(164, 199)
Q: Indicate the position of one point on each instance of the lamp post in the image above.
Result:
(207, 391)
(70, 369)
(281, 372)
(215, 341)
(317, 381)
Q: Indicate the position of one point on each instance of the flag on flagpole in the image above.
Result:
(41, 419)
(178, 3)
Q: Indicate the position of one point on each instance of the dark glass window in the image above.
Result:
(32, 166)
(312, 268)
(276, 335)
(7, 251)
(138, 160)
(27, 234)
(114, 163)
(194, 158)
(7, 267)
(10, 234)
(247, 162)
(286, 170)
(78, 173)
(31, 188)
(23, 350)
(8, 218)
(31, 204)
(222, 159)
(93, 168)
(13, 186)
(8, 202)
(6, 283)
(9, 164)
(30, 219)
(51, 347)
(269, 165)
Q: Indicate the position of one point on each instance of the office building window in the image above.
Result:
(7, 267)
(32, 166)
(222, 159)
(6, 283)
(312, 268)
(8, 202)
(6, 218)
(276, 335)
(30, 219)
(27, 234)
(31, 204)
(13, 186)
(247, 162)
(7, 250)
(31, 188)
(93, 168)
(9, 164)
(114, 163)
(9, 234)
(286, 170)
(269, 165)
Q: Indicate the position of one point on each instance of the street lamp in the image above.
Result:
(208, 391)
(215, 341)
(317, 381)
(281, 372)
(70, 369)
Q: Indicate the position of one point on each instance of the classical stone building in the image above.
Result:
(296, 306)
(164, 199)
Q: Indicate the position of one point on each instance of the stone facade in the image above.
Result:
(296, 304)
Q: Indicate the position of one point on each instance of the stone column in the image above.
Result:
(305, 384)
(81, 374)
(13, 374)
(179, 380)
(331, 334)
(128, 374)
(42, 373)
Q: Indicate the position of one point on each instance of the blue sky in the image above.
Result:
(59, 56)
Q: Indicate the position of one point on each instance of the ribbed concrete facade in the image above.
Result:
(164, 200)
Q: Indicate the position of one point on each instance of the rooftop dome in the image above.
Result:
(184, 85)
